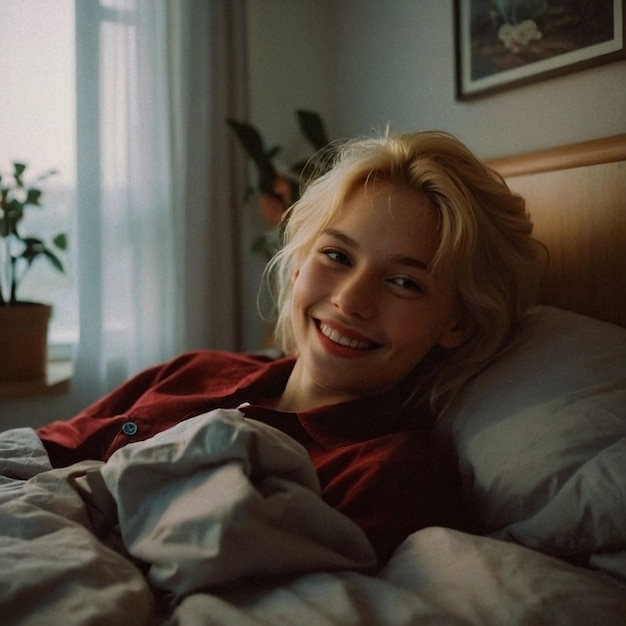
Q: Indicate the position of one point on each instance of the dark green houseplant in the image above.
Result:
(276, 189)
(23, 325)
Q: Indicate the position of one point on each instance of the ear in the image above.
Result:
(295, 275)
(454, 337)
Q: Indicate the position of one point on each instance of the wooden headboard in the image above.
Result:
(576, 195)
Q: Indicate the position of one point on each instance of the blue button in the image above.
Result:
(130, 428)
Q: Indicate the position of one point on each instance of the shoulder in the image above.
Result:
(212, 362)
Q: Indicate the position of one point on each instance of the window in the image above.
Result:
(38, 127)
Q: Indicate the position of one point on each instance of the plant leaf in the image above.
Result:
(255, 148)
(60, 241)
(272, 152)
(313, 128)
(33, 196)
(54, 260)
(18, 170)
(250, 139)
(33, 248)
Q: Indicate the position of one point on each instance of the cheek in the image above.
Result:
(415, 347)
(308, 284)
(299, 293)
(415, 335)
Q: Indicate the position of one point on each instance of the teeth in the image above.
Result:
(340, 339)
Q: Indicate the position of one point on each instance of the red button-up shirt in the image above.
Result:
(375, 464)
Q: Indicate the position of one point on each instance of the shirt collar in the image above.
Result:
(357, 420)
(335, 425)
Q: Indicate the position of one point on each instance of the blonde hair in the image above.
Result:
(485, 237)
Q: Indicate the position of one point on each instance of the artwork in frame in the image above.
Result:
(506, 43)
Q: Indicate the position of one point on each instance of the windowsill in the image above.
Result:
(58, 376)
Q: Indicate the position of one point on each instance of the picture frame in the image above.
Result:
(505, 44)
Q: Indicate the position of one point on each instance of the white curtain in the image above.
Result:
(158, 183)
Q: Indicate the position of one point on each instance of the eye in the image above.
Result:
(336, 256)
(406, 285)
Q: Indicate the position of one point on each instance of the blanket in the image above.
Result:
(219, 521)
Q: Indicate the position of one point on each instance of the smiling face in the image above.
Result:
(366, 307)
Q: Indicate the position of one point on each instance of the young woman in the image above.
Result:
(404, 270)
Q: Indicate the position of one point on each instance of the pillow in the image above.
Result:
(540, 437)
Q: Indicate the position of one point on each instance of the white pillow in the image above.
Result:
(541, 437)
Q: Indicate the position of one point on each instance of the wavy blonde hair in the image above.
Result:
(485, 236)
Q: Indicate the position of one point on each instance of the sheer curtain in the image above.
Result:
(157, 217)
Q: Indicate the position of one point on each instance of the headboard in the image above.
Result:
(576, 195)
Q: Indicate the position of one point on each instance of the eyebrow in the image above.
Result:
(396, 258)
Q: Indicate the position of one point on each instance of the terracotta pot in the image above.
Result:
(23, 341)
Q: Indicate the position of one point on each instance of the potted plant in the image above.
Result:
(276, 187)
(23, 324)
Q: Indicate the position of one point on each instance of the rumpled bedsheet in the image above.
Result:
(54, 568)
(219, 522)
(220, 498)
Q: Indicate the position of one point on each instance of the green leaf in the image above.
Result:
(272, 152)
(34, 247)
(18, 168)
(33, 196)
(253, 144)
(313, 128)
(54, 260)
(250, 139)
(60, 241)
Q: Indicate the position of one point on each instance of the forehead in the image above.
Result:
(387, 203)
(388, 218)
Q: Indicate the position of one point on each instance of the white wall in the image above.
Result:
(395, 64)
(291, 53)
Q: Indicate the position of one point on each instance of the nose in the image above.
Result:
(356, 295)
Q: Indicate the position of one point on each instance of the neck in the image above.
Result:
(304, 394)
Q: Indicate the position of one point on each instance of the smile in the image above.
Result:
(341, 340)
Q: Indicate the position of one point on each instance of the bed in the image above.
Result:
(218, 522)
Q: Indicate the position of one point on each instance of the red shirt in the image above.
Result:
(374, 463)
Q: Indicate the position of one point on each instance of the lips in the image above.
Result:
(341, 339)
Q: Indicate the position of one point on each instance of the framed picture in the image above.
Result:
(505, 43)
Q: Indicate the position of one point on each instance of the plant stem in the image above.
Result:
(5, 273)
(13, 297)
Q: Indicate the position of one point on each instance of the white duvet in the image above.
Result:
(219, 521)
